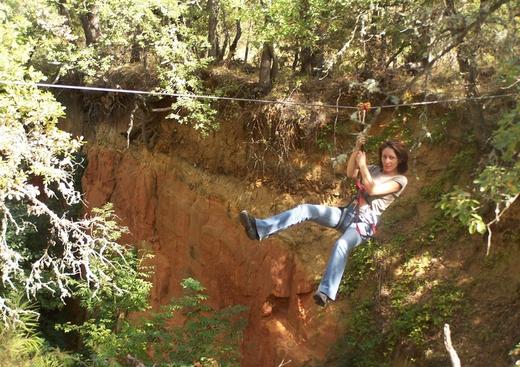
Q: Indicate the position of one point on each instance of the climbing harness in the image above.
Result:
(362, 191)
(354, 204)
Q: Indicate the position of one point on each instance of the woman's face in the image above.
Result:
(389, 161)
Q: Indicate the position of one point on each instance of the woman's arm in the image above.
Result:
(352, 166)
(366, 178)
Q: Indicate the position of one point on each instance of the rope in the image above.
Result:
(365, 107)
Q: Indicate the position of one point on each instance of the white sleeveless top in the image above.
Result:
(379, 203)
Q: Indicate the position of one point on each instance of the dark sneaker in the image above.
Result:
(321, 298)
(249, 225)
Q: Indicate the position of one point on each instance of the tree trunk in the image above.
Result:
(468, 67)
(370, 47)
(135, 53)
(466, 58)
(305, 50)
(234, 44)
(90, 24)
(306, 61)
(63, 10)
(246, 52)
(222, 51)
(212, 28)
(227, 37)
(275, 65)
(317, 62)
(268, 68)
(383, 54)
(296, 59)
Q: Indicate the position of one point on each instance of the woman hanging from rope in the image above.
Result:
(378, 186)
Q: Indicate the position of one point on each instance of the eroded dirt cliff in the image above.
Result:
(189, 218)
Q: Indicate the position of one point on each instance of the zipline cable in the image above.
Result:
(182, 95)
(250, 100)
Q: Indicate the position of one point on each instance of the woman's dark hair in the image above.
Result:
(400, 152)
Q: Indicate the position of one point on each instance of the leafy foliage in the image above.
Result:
(498, 183)
(460, 204)
(156, 35)
(22, 346)
(515, 353)
(406, 313)
(363, 261)
(38, 163)
(186, 330)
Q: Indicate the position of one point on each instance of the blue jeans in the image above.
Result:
(328, 217)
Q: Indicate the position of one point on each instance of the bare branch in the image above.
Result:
(284, 363)
(512, 85)
(131, 125)
(498, 215)
(455, 360)
(134, 362)
(336, 119)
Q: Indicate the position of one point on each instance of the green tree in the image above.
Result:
(182, 332)
(22, 346)
(37, 166)
(496, 186)
(88, 41)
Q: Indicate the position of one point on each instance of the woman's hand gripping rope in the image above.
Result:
(343, 158)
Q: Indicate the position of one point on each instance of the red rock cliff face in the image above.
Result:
(198, 235)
